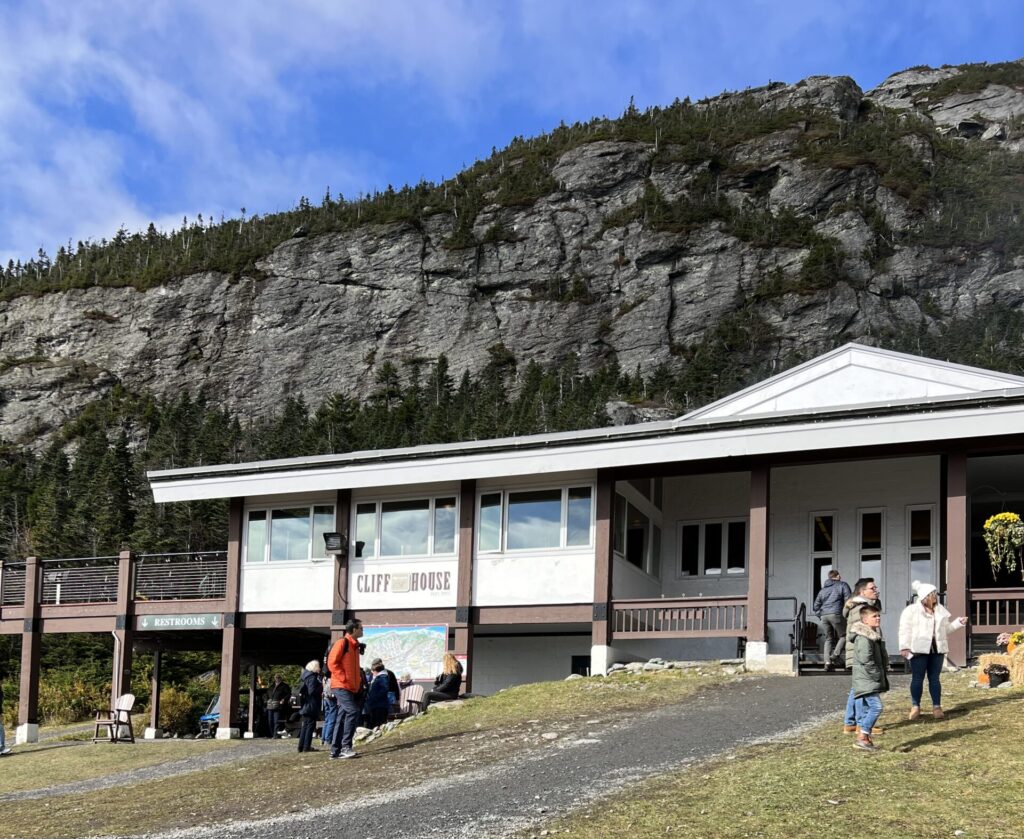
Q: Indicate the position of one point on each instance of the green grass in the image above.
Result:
(930, 779)
(481, 733)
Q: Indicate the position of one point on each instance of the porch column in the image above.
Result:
(31, 640)
(231, 635)
(124, 629)
(757, 593)
(250, 730)
(154, 732)
(339, 603)
(464, 580)
(957, 593)
(601, 628)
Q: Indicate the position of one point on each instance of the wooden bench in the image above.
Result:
(410, 702)
(117, 720)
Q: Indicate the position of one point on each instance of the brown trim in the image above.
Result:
(179, 607)
(58, 625)
(464, 636)
(121, 675)
(403, 617)
(31, 644)
(233, 581)
(757, 581)
(84, 610)
(957, 517)
(467, 520)
(556, 613)
(604, 509)
(286, 620)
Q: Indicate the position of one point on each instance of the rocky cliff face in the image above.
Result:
(585, 269)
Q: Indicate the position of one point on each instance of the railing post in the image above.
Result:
(124, 628)
(601, 634)
(28, 703)
(956, 550)
(231, 634)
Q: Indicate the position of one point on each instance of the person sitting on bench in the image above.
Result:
(447, 685)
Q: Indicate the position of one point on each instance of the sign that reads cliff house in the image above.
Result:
(158, 622)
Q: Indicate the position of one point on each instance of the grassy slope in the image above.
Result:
(481, 733)
(931, 779)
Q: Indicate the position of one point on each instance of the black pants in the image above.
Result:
(437, 696)
(306, 733)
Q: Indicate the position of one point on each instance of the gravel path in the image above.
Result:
(530, 788)
(194, 763)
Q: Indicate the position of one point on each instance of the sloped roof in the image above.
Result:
(855, 375)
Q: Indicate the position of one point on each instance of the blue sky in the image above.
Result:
(120, 112)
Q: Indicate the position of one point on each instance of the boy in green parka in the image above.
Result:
(870, 661)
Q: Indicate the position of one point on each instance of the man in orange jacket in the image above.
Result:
(347, 686)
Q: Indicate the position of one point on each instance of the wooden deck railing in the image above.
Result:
(80, 580)
(997, 610)
(181, 576)
(12, 584)
(685, 617)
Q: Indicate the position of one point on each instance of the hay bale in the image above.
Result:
(1014, 663)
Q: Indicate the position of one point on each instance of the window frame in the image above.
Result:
(268, 511)
(880, 551)
(563, 524)
(816, 556)
(932, 544)
(724, 573)
(379, 503)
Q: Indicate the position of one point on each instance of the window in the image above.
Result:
(713, 548)
(288, 534)
(407, 527)
(539, 519)
(872, 549)
(921, 543)
(822, 544)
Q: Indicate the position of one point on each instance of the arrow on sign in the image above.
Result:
(144, 623)
(216, 621)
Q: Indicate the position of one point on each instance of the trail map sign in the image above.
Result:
(418, 650)
(158, 622)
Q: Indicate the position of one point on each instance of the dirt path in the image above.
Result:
(529, 788)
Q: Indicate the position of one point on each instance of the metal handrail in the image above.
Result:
(12, 583)
(194, 575)
(72, 581)
(52, 560)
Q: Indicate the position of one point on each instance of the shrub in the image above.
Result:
(66, 697)
(180, 711)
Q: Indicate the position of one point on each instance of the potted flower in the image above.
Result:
(1004, 537)
(1010, 640)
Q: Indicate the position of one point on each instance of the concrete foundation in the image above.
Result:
(601, 658)
(228, 733)
(26, 733)
(153, 734)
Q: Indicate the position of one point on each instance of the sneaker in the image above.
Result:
(349, 753)
(849, 729)
(334, 756)
(5, 752)
(829, 667)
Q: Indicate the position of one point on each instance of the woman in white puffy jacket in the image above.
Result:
(924, 627)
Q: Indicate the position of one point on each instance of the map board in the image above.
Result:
(418, 650)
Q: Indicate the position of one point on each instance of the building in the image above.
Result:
(699, 537)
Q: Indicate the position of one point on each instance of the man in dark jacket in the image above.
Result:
(311, 697)
(828, 606)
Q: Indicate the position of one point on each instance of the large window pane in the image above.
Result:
(654, 566)
(534, 519)
(736, 549)
(921, 567)
(690, 550)
(444, 526)
(366, 529)
(578, 517)
(920, 528)
(871, 566)
(289, 534)
(404, 527)
(713, 548)
(323, 522)
(823, 534)
(256, 537)
(637, 534)
(871, 531)
(489, 538)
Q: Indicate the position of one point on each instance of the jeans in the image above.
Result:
(930, 663)
(869, 709)
(306, 733)
(272, 721)
(835, 635)
(330, 715)
(3, 741)
(349, 712)
(851, 710)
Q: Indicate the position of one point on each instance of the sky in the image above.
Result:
(121, 113)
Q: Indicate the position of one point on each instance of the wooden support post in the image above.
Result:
(124, 628)
(342, 523)
(250, 729)
(464, 580)
(957, 582)
(601, 619)
(154, 730)
(28, 703)
(231, 635)
(757, 593)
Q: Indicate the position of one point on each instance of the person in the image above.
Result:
(311, 696)
(405, 681)
(277, 703)
(394, 690)
(330, 709)
(378, 703)
(446, 686)
(4, 750)
(346, 684)
(865, 593)
(924, 628)
(828, 606)
(870, 661)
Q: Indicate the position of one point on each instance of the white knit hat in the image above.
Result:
(922, 590)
